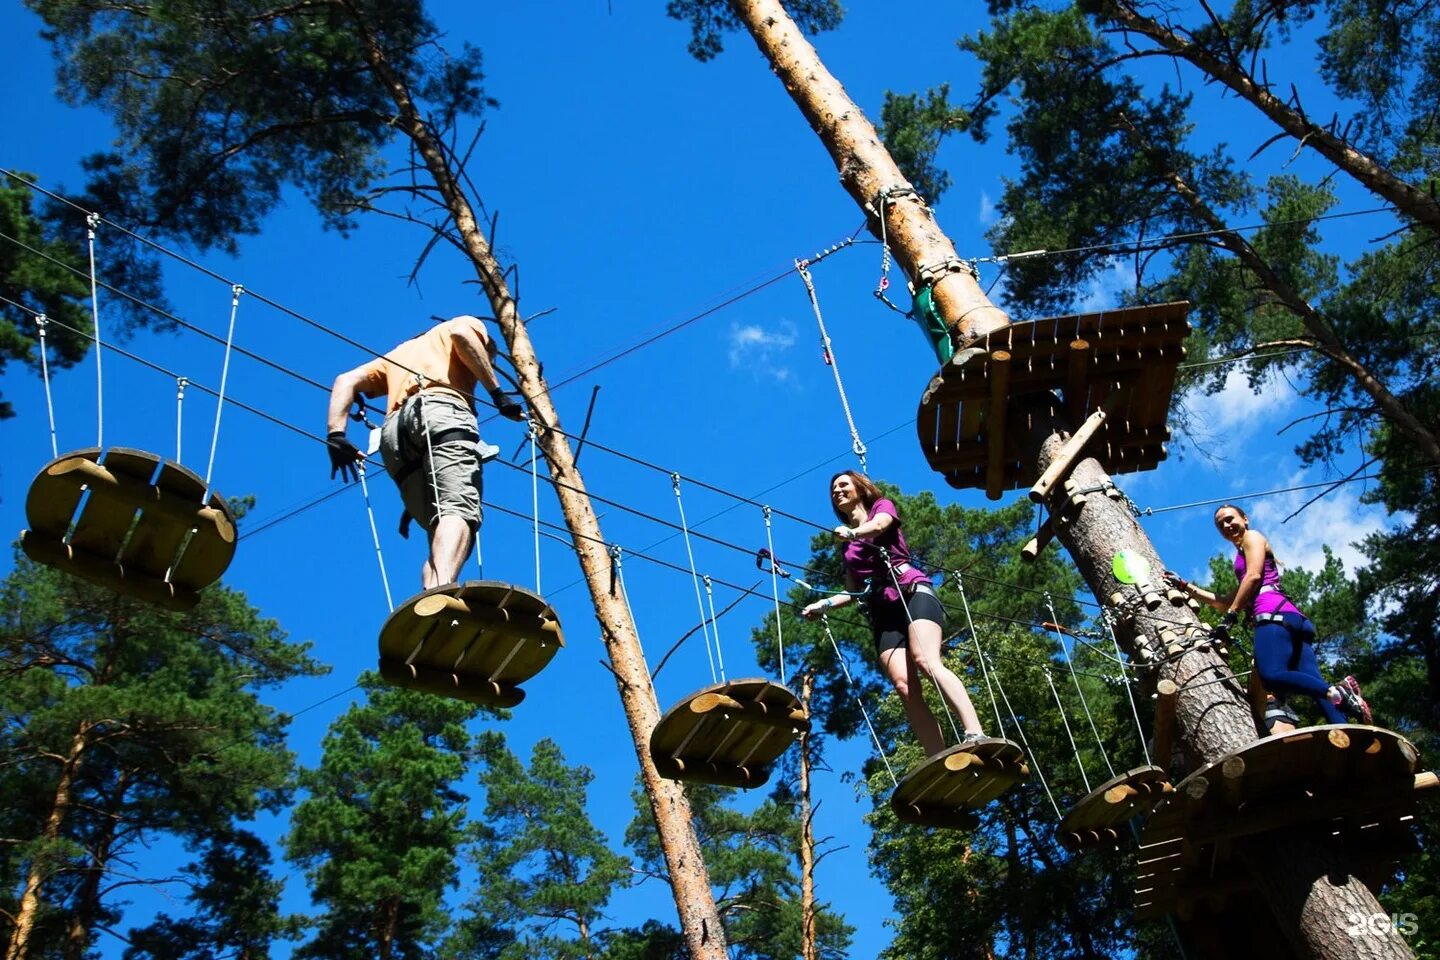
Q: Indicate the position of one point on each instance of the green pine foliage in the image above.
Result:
(125, 724)
(543, 871)
(380, 832)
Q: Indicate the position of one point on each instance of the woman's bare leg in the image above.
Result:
(900, 669)
(925, 637)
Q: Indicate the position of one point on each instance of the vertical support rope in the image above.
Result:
(979, 654)
(615, 558)
(91, 221)
(41, 321)
(856, 444)
(850, 685)
(1129, 690)
(235, 292)
(534, 499)
(1084, 705)
(694, 577)
(180, 384)
(375, 535)
(715, 626)
(775, 592)
(1034, 760)
(1073, 745)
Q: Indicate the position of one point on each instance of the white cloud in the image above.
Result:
(761, 350)
(1235, 411)
(1338, 519)
(1103, 289)
(988, 213)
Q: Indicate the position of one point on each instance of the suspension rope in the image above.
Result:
(850, 686)
(531, 434)
(695, 577)
(1073, 746)
(979, 654)
(617, 561)
(1105, 618)
(856, 444)
(235, 292)
(180, 384)
(91, 220)
(1034, 760)
(1084, 704)
(375, 535)
(775, 592)
(41, 321)
(715, 627)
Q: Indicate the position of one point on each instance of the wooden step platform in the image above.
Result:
(142, 531)
(476, 641)
(1099, 817)
(728, 734)
(945, 789)
(1344, 783)
(962, 416)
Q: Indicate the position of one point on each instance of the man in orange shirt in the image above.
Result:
(430, 438)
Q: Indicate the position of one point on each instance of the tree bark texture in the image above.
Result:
(1410, 200)
(867, 171)
(689, 879)
(19, 946)
(1214, 719)
(809, 949)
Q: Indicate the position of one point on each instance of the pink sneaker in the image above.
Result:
(1352, 702)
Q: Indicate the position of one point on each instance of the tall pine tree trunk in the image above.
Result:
(689, 879)
(86, 900)
(809, 949)
(1214, 719)
(19, 946)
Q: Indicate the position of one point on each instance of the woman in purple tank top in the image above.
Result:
(906, 617)
(1284, 637)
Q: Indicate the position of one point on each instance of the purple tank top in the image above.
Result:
(863, 559)
(1269, 599)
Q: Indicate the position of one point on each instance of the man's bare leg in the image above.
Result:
(450, 543)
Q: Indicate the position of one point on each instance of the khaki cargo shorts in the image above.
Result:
(428, 446)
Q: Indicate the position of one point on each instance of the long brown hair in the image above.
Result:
(869, 493)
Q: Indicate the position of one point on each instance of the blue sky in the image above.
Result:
(637, 188)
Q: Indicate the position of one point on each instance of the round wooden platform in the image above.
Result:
(1096, 820)
(475, 641)
(961, 420)
(945, 789)
(1349, 784)
(729, 734)
(142, 531)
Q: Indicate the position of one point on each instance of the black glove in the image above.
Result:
(508, 408)
(1221, 632)
(1175, 580)
(343, 456)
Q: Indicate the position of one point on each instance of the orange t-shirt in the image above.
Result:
(433, 356)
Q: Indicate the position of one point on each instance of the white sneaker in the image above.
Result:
(487, 451)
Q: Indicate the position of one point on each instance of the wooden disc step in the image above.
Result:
(944, 790)
(1086, 357)
(142, 530)
(1100, 816)
(729, 734)
(1343, 783)
(475, 641)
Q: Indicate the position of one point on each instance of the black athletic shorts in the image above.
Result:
(890, 625)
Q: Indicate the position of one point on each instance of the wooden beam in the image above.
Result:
(1071, 449)
(1165, 691)
(1031, 551)
(995, 424)
(1076, 378)
(751, 711)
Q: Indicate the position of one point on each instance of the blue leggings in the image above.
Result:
(1285, 657)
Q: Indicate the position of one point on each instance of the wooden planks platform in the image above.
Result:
(1087, 357)
(1344, 783)
(131, 521)
(476, 641)
(1097, 818)
(944, 790)
(729, 734)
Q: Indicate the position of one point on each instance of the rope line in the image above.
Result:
(90, 220)
(375, 535)
(715, 625)
(775, 592)
(850, 686)
(1084, 777)
(235, 293)
(180, 383)
(910, 621)
(1084, 704)
(695, 577)
(1130, 693)
(979, 655)
(535, 498)
(856, 444)
(40, 323)
(1034, 760)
